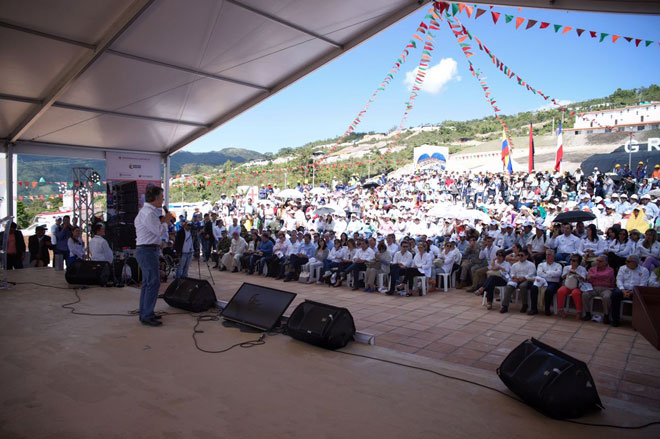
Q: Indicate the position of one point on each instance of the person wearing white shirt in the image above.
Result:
(548, 275)
(422, 265)
(231, 261)
(506, 238)
(536, 244)
(445, 261)
(649, 250)
(401, 261)
(488, 253)
(76, 246)
(498, 269)
(591, 245)
(148, 229)
(280, 249)
(98, 247)
(565, 244)
(336, 255)
(630, 276)
(522, 274)
(363, 255)
(392, 246)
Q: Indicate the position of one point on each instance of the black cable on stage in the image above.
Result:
(214, 318)
(423, 369)
(261, 341)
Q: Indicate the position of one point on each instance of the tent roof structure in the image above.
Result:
(154, 75)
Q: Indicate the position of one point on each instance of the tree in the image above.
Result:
(22, 218)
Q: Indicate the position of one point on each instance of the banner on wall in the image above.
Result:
(144, 169)
(430, 154)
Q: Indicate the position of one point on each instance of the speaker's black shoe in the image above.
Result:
(586, 317)
(151, 322)
(523, 309)
(157, 317)
(532, 312)
(504, 309)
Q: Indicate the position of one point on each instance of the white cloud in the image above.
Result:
(551, 106)
(436, 77)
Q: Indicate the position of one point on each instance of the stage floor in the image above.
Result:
(74, 376)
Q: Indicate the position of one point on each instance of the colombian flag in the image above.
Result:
(506, 154)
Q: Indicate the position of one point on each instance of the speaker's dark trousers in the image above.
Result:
(147, 258)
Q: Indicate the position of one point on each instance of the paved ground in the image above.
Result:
(90, 376)
(453, 326)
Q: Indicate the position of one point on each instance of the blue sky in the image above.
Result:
(566, 67)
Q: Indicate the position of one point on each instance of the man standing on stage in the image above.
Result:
(149, 230)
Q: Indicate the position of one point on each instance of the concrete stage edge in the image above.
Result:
(73, 376)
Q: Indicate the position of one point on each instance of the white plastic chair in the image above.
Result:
(621, 316)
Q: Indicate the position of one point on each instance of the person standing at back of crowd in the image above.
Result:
(149, 230)
(62, 235)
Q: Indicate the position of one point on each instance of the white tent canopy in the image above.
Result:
(82, 77)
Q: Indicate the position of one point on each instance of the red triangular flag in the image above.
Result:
(637, 41)
(593, 34)
(519, 21)
(579, 32)
(496, 16)
(628, 39)
(544, 25)
(531, 23)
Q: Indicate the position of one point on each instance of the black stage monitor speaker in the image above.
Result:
(193, 295)
(322, 325)
(258, 307)
(88, 273)
(552, 382)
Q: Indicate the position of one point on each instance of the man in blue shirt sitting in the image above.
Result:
(264, 251)
(306, 251)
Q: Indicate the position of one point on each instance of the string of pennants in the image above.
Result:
(41, 181)
(461, 35)
(501, 66)
(459, 8)
(423, 28)
(235, 177)
(50, 197)
(480, 155)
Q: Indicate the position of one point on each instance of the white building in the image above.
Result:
(632, 118)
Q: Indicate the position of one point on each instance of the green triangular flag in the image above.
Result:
(648, 43)
(508, 17)
(557, 27)
(602, 36)
(41, 180)
(454, 9)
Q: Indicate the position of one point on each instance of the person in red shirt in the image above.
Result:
(602, 279)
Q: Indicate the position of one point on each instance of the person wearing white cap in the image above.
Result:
(651, 209)
(525, 235)
(610, 218)
(624, 205)
(536, 245)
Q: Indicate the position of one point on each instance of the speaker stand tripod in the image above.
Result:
(199, 269)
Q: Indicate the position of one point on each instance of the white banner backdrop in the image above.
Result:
(425, 154)
(129, 166)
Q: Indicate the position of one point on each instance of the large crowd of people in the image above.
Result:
(408, 234)
(396, 234)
